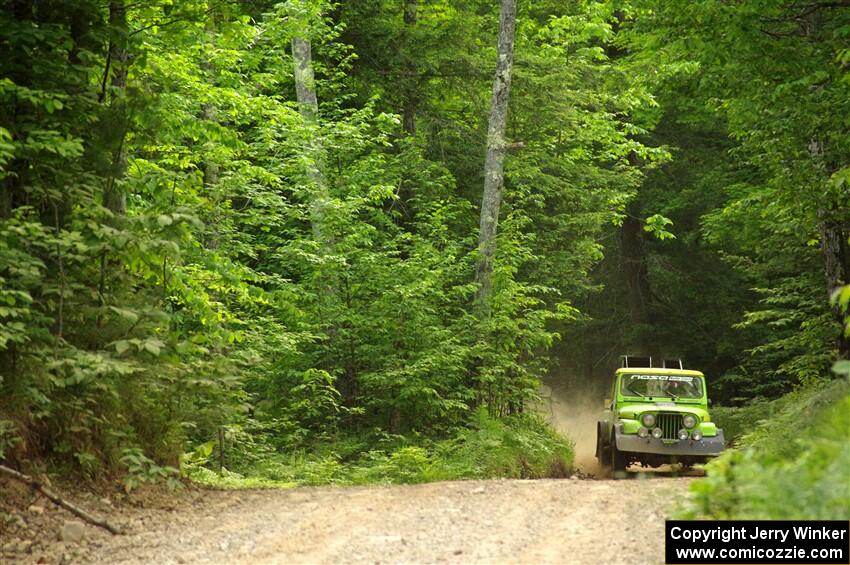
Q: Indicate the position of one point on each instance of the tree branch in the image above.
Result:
(58, 500)
(168, 22)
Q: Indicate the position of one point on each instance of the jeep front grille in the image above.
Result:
(670, 424)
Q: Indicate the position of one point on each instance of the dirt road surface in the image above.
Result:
(569, 521)
(504, 521)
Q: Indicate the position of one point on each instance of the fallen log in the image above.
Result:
(58, 500)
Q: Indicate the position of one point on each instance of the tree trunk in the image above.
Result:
(495, 160)
(834, 229)
(639, 297)
(208, 110)
(410, 96)
(836, 267)
(209, 113)
(210, 168)
(633, 254)
(834, 233)
(114, 196)
(308, 106)
(12, 185)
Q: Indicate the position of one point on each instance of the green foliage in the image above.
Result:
(792, 466)
(141, 469)
(8, 437)
(657, 224)
(753, 188)
(169, 268)
(520, 446)
(787, 143)
(105, 340)
(736, 422)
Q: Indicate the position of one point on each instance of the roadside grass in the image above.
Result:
(793, 464)
(521, 446)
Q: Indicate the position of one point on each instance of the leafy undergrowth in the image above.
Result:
(736, 422)
(795, 464)
(517, 447)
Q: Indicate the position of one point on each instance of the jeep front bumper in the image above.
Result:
(706, 447)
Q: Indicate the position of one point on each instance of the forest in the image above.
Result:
(254, 242)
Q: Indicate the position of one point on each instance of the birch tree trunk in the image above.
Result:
(308, 106)
(494, 162)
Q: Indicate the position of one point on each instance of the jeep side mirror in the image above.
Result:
(709, 401)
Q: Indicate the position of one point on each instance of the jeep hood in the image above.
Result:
(632, 411)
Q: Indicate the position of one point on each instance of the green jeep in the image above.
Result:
(656, 416)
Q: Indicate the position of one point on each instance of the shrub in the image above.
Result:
(794, 465)
(738, 421)
(520, 446)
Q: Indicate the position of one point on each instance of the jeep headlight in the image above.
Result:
(697, 435)
(657, 433)
(648, 420)
(689, 421)
(683, 434)
(643, 432)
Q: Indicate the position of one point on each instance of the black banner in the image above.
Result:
(762, 542)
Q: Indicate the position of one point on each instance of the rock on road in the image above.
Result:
(504, 521)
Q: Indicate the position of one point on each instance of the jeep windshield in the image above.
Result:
(661, 386)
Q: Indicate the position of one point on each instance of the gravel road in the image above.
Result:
(505, 521)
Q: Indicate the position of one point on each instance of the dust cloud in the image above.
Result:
(574, 414)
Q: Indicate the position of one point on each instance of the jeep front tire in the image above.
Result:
(617, 457)
(603, 454)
